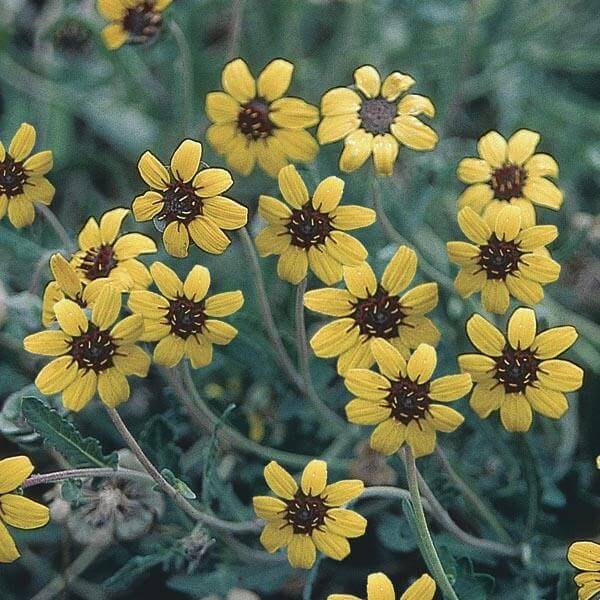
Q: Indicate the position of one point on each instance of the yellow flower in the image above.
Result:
(509, 173)
(399, 400)
(104, 253)
(504, 258)
(379, 587)
(93, 354)
(22, 181)
(255, 123)
(312, 232)
(522, 372)
(372, 120)
(180, 320)
(185, 201)
(131, 21)
(368, 310)
(308, 517)
(16, 510)
(585, 556)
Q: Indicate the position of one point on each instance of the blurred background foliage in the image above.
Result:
(502, 64)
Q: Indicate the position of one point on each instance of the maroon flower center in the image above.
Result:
(507, 181)
(379, 315)
(142, 22)
(377, 114)
(12, 177)
(309, 227)
(186, 317)
(499, 258)
(99, 262)
(305, 513)
(408, 400)
(94, 349)
(253, 120)
(180, 204)
(516, 369)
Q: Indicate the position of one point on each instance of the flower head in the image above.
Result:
(255, 123)
(22, 181)
(585, 556)
(16, 510)
(369, 310)
(375, 119)
(509, 173)
(520, 372)
(311, 232)
(185, 201)
(180, 320)
(503, 259)
(379, 587)
(131, 21)
(399, 399)
(308, 517)
(93, 354)
(105, 254)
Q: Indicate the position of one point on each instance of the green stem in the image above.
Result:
(235, 31)
(531, 477)
(187, 76)
(55, 224)
(312, 579)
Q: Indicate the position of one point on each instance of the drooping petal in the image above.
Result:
(199, 351)
(473, 226)
(525, 290)
(388, 436)
(107, 307)
(421, 299)
(113, 387)
(70, 317)
(324, 266)
(421, 437)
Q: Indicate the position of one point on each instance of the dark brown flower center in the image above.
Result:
(516, 369)
(94, 349)
(12, 177)
(99, 262)
(507, 181)
(379, 315)
(408, 400)
(253, 120)
(309, 227)
(186, 317)
(377, 114)
(305, 513)
(499, 258)
(142, 22)
(180, 204)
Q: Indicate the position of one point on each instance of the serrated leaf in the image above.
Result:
(64, 437)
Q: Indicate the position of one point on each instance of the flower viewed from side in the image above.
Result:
(93, 354)
(503, 259)
(254, 123)
(375, 119)
(399, 400)
(16, 510)
(508, 172)
(379, 587)
(520, 373)
(368, 310)
(104, 253)
(585, 556)
(22, 181)
(182, 319)
(131, 21)
(308, 517)
(311, 232)
(185, 201)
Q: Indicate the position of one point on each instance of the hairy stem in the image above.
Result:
(45, 478)
(235, 31)
(55, 224)
(187, 75)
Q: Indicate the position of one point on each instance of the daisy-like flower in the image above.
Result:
(185, 201)
(16, 510)
(255, 123)
(181, 319)
(379, 587)
(585, 556)
(92, 354)
(520, 372)
(104, 253)
(368, 310)
(131, 21)
(22, 181)
(399, 400)
(503, 259)
(375, 120)
(308, 517)
(311, 233)
(509, 173)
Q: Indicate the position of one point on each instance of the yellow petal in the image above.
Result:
(521, 328)
(226, 213)
(365, 412)
(397, 83)
(324, 266)
(420, 299)
(113, 387)
(379, 587)
(176, 239)
(388, 436)
(585, 556)
(473, 226)
(421, 438)
(20, 211)
(275, 79)
(273, 210)
(153, 171)
(237, 80)
(314, 478)
(521, 145)
(65, 275)
(199, 351)
(487, 397)
(334, 338)
(280, 481)
(422, 589)
(525, 290)
(515, 413)
(367, 80)
(414, 133)
(357, 148)
(341, 492)
(334, 128)
(543, 192)
(225, 304)
(240, 154)
(22, 143)
(484, 336)
(416, 330)
(111, 10)
(221, 108)
(478, 366)
(70, 317)
(132, 360)
(535, 237)
(206, 235)
(508, 223)
(492, 147)
(219, 332)
(39, 189)
(166, 280)
(293, 113)
(272, 240)
(358, 356)
(131, 245)
(367, 384)
(22, 512)
(344, 248)
(212, 182)
(422, 363)
(494, 296)
(292, 187)
(328, 194)
(346, 523)
(554, 341)
(301, 551)
(89, 236)
(196, 283)
(48, 343)
(110, 224)
(268, 508)
(549, 403)
(114, 36)
(270, 155)
(56, 376)
(330, 544)
(560, 375)
(539, 268)
(473, 170)
(297, 144)
(450, 387)
(13, 472)
(352, 217)
(385, 152)
(390, 362)
(340, 101)
(128, 330)
(169, 351)
(400, 271)
(476, 196)
(79, 393)
(444, 418)
(107, 307)
(293, 264)
(185, 161)
(40, 163)
(276, 535)
(360, 280)
(8, 550)
(541, 165)
(329, 301)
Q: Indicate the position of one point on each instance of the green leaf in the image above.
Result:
(134, 568)
(181, 486)
(62, 435)
(395, 534)
(158, 438)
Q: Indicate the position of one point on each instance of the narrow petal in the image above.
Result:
(298, 144)
(22, 143)
(280, 481)
(473, 170)
(400, 271)
(301, 551)
(273, 210)
(508, 223)
(341, 492)
(113, 387)
(40, 163)
(492, 147)
(131, 245)
(524, 289)
(365, 412)
(357, 148)
(8, 550)
(521, 145)
(107, 307)
(554, 341)
(13, 472)
(366, 384)
(314, 478)
(334, 338)
(521, 328)
(89, 236)
(270, 155)
(414, 104)
(329, 301)
(292, 187)
(22, 512)
(48, 343)
(275, 79)
(462, 253)
(197, 283)
(330, 544)
(207, 235)
(328, 194)
(153, 172)
(547, 402)
(358, 356)
(414, 133)
(56, 376)
(422, 363)
(388, 436)
(535, 237)
(450, 387)
(166, 280)
(390, 362)
(237, 80)
(484, 336)
(225, 304)
(360, 280)
(444, 418)
(346, 523)
(128, 330)
(469, 280)
(487, 397)
(515, 413)
(293, 264)
(560, 375)
(385, 152)
(352, 217)
(185, 161)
